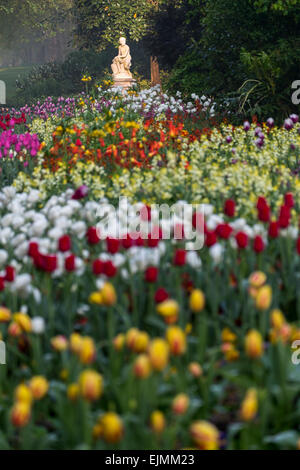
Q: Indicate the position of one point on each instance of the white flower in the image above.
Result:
(216, 252)
(3, 257)
(38, 325)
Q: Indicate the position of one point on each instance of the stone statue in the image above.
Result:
(121, 66)
(122, 63)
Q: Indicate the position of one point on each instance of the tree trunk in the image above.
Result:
(155, 75)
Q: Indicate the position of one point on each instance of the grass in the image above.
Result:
(9, 76)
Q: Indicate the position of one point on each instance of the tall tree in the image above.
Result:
(100, 22)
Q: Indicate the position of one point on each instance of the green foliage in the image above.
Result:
(248, 54)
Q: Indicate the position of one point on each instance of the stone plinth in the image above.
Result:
(124, 82)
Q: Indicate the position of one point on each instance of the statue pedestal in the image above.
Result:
(123, 81)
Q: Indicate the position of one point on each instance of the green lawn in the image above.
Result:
(9, 76)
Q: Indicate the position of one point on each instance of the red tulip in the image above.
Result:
(64, 243)
(284, 217)
(241, 239)
(258, 244)
(211, 238)
(33, 249)
(273, 230)
(289, 200)
(151, 274)
(224, 231)
(160, 295)
(229, 207)
(112, 245)
(70, 263)
(98, 267)
(179, 258)
(92, 236)
(109, 269)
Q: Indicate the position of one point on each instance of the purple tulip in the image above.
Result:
(294, 118)
(259, 142)
(80, 192)
(228, 139)
(288, 124)
(270, 123)
(247, 126)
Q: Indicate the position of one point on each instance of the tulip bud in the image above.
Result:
(95, 298)
(180, 404)
(73, 391)
(277, 319)
(131, 337)
(257, 279)
(249, 405)
(169, 309)
(197, 300)
(228, 336)
(254, 344)
(141, 342)
(142, 366)
(5, 315)
(112, 428)
(90, 385)
(263, 298)
(75, 343)
(14, 329)
(59, 343)
(176, 339)
(158, 353)
(87, 352)
(108, 293)
(195, 369)
(39, 387)
(157, 422)
(205, 435)
(119, 342)
(23, 394)
(23, 321)
(20, 414)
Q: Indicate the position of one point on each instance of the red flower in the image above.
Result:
(229, 207)
(160, 295)
(112, 245)
(70, 263)
(258, 244)
(289, 200)
(47, 263)
(2, 284)
(92, 236)
(261, 203)
(154, 237)
(151, 274)
(224, 231)
(33, 249)
(179, 257)
(98, 267)
(273, 230)
(211, 238)
(284, 217)
(298, 246)
(64, 243)
(109, 269)
(264, 213)
(9, 274)
(127, 241)
(241, 239)
(81, 192)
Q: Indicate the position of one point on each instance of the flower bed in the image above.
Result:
(127, 338)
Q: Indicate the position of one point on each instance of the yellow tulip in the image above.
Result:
(205, 435)
(197, 300)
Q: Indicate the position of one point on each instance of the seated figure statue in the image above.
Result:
(122, 63)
